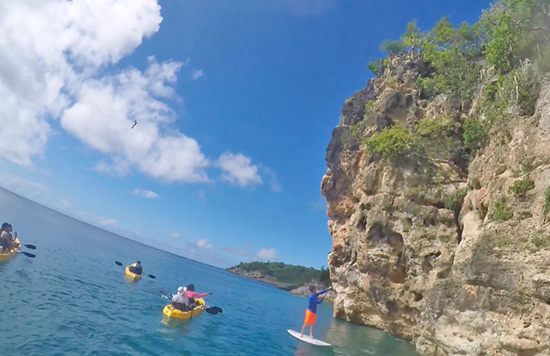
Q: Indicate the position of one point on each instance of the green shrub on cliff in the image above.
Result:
(546, 206)
(376, 66)
(454, 200)
(513, 31)
(451, 52)
(392, 142)
(392, 47)
(475, 134)
(501, 211)
(521, 187)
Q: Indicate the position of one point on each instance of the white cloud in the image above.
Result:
(108, 222)
(237, 169)
(174, 235)
(55, 55)
(203, 243)
(266, 254)
(145, 193)
(48, 47)
(197, 73)
(105, 110)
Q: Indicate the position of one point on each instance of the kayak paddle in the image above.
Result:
(32, 247)
(152, 276)
(28, 254)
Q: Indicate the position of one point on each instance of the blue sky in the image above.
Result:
(235, 102)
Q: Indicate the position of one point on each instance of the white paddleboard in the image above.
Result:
(306, 338)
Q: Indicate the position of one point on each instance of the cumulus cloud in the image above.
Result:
(108, 222)
(49, 47)
(145, 193)
(203, 243)
(105, 109)
(197, 73)
(58, 63)
(266, 254)
(238, 170)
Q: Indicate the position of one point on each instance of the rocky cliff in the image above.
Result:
(443, 246)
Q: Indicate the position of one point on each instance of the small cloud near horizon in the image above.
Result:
(267, 254)
(174, 235)
(108, 222)
(147, 194)
(203, 243)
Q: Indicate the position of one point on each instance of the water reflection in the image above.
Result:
(175, 327)
(350, 339)
(311, 350)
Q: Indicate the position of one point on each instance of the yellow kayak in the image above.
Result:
(170, 312)
(132, 275)
(6, 256)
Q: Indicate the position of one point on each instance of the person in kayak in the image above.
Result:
(180, 301)
(191, 294)
(6, 240)
(311, 311)
(136, 268)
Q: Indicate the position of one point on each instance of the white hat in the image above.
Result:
(181, 290)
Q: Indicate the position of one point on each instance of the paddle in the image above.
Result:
(209, 310)
(28, 254)
(152, 276)
(32, 247)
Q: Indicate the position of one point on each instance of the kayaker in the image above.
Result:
(136, 268)
(191, 294)
(180, 301)
(311, 311)
(6, 240)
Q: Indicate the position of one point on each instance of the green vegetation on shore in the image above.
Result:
(287, 274)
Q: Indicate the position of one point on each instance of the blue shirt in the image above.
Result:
(313, 301)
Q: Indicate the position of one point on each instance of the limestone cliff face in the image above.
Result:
(454, 281)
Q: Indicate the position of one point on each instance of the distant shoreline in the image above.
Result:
(254, 275)
(301, 290)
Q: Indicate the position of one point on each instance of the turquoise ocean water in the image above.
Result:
(73, 300)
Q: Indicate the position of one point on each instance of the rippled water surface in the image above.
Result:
(73, 300)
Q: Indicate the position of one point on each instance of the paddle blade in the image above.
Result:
(118, 263)
(214, 310)
(32, 247)
(152, 276)
(28, 254)
(165, 294)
